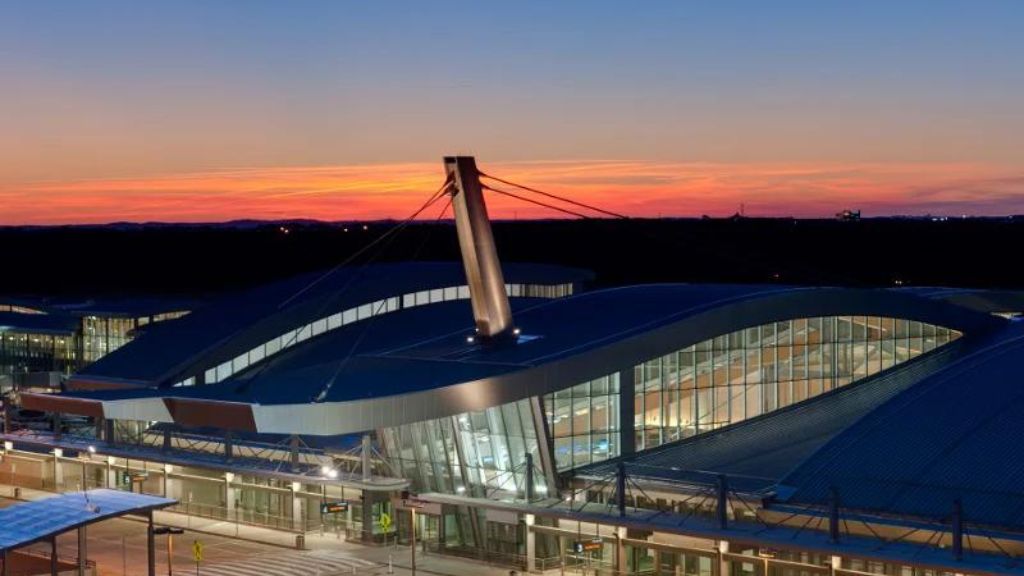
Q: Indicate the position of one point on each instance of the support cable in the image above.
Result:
(556, 197)
(532, 201)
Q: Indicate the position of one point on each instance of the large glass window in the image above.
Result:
(584, 422)
(756, 370)
(476, 453)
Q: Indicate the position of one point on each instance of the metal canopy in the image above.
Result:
(31, 522)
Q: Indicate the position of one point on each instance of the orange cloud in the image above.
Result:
(635, 188)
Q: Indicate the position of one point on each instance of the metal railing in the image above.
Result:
(246, 517)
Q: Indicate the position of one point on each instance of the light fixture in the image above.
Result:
(92, 449)
(470, 339)
(58, 453)
(332, 474)
(516, 331)
(460, 489)
(8, 445)
(325, 469)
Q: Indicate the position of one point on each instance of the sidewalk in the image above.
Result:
(399, 556)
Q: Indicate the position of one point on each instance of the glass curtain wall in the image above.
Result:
(476, 453)
(584, 422)
(22, 352)
(754, 371)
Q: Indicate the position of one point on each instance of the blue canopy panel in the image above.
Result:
(31, 522)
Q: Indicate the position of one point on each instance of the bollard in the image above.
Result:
(391, 568)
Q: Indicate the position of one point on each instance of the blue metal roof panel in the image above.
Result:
(30, 522)
(956, 434)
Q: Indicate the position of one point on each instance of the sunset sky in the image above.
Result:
(215, 110)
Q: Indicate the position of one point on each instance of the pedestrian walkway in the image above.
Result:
(294, 563)
(328, 553)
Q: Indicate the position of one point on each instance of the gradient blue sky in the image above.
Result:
(900, 106)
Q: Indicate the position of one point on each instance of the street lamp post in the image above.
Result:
(170, 531)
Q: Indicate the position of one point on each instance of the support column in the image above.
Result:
(620, 550)
(168, 468)
(111, 473)
(529, 478)
(229, 449)
(365, 460)
(958, 530)
(296, 506)
(7, 566)
(833, 516)
(723, 563)
(531, 543)
(367, 515)
(488, 298)
(108, 430)
(722, 508)
(82, 550)
(627, 417)
(58, 471)
(54, 568)
(229, 497)
(620, 488)
(293, 452)
(167, 441)
(150, 546)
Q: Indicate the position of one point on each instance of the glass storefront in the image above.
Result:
(760, 369)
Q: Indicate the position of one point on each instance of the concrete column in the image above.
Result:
(531, 543)
(835, 564)
(111, 473)
(723, 563)
(168, 481)
(7, 565)
(58, 471)
(229, 497)
(296, 506)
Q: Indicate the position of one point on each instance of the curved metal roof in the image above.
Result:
(954, 435)
(415, 364)
(226, 327)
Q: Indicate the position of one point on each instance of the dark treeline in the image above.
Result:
(200, 260)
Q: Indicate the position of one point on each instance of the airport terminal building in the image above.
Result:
(512, 414)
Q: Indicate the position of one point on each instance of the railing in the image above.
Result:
(242, 516)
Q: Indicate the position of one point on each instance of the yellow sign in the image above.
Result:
(385, 521)
(197, 551)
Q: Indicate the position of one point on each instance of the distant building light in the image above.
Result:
(92, 449)
(332, 474)
(516, 331)
(470, 339)
(325, 469)
(460, 489)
